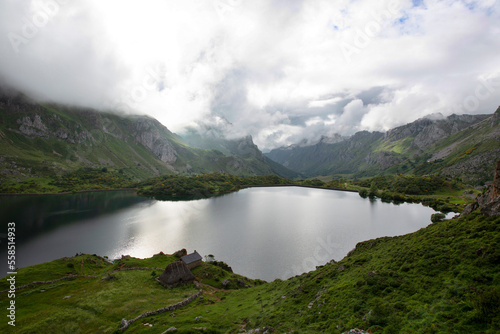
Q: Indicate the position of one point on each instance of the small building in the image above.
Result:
(192, 260)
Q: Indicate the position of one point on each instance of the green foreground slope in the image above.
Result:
(443, 278)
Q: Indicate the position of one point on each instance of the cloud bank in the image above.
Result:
(278, 70)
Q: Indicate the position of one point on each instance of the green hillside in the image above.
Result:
(41, 142)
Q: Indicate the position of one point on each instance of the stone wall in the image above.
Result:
(126, 323)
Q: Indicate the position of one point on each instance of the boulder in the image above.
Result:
(489, 201)
(180, 253)
(175, 274)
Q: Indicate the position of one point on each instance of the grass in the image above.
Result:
(443, 278)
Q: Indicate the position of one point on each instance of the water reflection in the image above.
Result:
(262, 233)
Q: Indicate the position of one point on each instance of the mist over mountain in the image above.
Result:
(280, 71)
(47, 140)
(465, 146)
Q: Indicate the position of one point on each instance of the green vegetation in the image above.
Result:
(80, 180)
(183, 187)
(443, 278)
(434, 191)
(190, 187)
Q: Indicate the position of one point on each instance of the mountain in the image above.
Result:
(43, 140)
(241, 147)
(465, 146)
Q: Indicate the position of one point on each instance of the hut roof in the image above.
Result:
(190, 258)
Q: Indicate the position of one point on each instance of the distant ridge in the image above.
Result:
(464, 146)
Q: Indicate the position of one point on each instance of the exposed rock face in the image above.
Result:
(175, 274)
(34, 128)
(383, 159)
(146, 131)
(489, 202)
(428, 131)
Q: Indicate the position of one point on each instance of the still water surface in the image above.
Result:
(264, 233)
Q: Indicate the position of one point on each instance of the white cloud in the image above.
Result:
(322, 103)
(275, 69)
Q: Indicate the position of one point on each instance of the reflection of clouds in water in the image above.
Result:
(161, 226)
(261, 232)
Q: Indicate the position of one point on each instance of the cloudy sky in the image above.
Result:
(279, 70)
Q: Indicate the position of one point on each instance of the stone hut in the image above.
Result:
(192, 260)
(175, 274)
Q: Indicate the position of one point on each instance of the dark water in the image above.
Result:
(262, 233)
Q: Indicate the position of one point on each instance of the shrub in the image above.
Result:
(487, 305)
(437, 217)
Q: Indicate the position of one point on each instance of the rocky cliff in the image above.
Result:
(489, 201)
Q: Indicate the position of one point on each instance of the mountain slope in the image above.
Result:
(452, 146)
(241, 147)
(43, 140)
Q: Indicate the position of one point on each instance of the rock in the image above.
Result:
(355, 331)
(66, 297)
(180, 253)
(147, 132)
(258, 330)
(175, 274)
(225, 283)
(108, 277)
(489, 201)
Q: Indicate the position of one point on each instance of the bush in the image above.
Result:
(487, 305)
(438, 217)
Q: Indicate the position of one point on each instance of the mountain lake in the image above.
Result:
(266, 233)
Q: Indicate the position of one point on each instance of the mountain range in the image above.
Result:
(463, 146)
(46, 139)
(39, 140)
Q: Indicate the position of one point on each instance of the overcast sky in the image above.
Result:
(279, 70)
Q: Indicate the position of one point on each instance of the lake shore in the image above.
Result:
(68, 192)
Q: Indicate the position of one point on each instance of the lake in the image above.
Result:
(264, 233)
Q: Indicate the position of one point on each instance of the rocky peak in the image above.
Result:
(336, 138)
